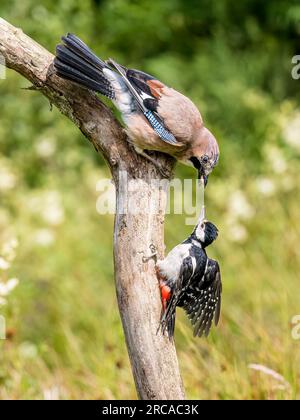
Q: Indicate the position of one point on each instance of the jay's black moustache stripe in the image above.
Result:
(196, 162)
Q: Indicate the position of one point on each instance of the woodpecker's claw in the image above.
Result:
(153, 249)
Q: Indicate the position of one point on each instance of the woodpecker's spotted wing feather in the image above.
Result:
(203, 302)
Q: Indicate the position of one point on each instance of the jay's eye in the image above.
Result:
(205, 159)
(202, 225)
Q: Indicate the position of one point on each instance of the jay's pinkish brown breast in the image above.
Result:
(181, 117)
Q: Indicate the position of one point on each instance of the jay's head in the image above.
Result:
(205, 154)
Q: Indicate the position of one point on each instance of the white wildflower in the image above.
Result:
(7, 287)
(53, 212)
(265, 186)
(7, 180)
(276, 159)
(237, 233)
(13, 243)
(291, 131)
(8, 254)
(45, 148)
(239, 206)
(44, 237)
(4, 265)
(48, 205)
(8, 250)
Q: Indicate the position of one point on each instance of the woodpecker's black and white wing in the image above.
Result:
(203, 300)
(168, 317)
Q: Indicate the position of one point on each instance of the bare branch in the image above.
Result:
(152, 356)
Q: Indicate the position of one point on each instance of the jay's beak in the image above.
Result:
(203, 179)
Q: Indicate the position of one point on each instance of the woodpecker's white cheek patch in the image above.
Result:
(200, 233)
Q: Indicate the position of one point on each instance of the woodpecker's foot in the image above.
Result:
(153, 249)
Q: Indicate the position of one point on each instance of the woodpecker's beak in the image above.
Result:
(202, 214)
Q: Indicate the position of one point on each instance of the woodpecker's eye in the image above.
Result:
(202, 225)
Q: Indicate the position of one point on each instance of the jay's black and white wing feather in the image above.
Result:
(76, 62)
(146, 91)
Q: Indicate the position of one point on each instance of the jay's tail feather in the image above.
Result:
(76, 62)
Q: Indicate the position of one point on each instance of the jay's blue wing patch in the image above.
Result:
(159, 128)
(136, 81)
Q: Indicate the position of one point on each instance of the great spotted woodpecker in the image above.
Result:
(191, 280)
(156, 117)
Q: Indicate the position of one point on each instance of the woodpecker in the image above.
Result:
(156, 116)
(191, 280)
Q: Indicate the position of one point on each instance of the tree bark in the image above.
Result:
(153, 357)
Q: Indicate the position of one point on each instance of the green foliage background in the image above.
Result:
(234, 60)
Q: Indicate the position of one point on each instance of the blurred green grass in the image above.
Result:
(64, 334)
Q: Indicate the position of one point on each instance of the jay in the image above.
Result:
(156, 116)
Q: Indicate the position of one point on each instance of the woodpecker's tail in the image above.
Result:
(168, 323)
(168, 317)
(75, 61)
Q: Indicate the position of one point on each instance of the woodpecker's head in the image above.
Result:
(205, 231)
(205, 154)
